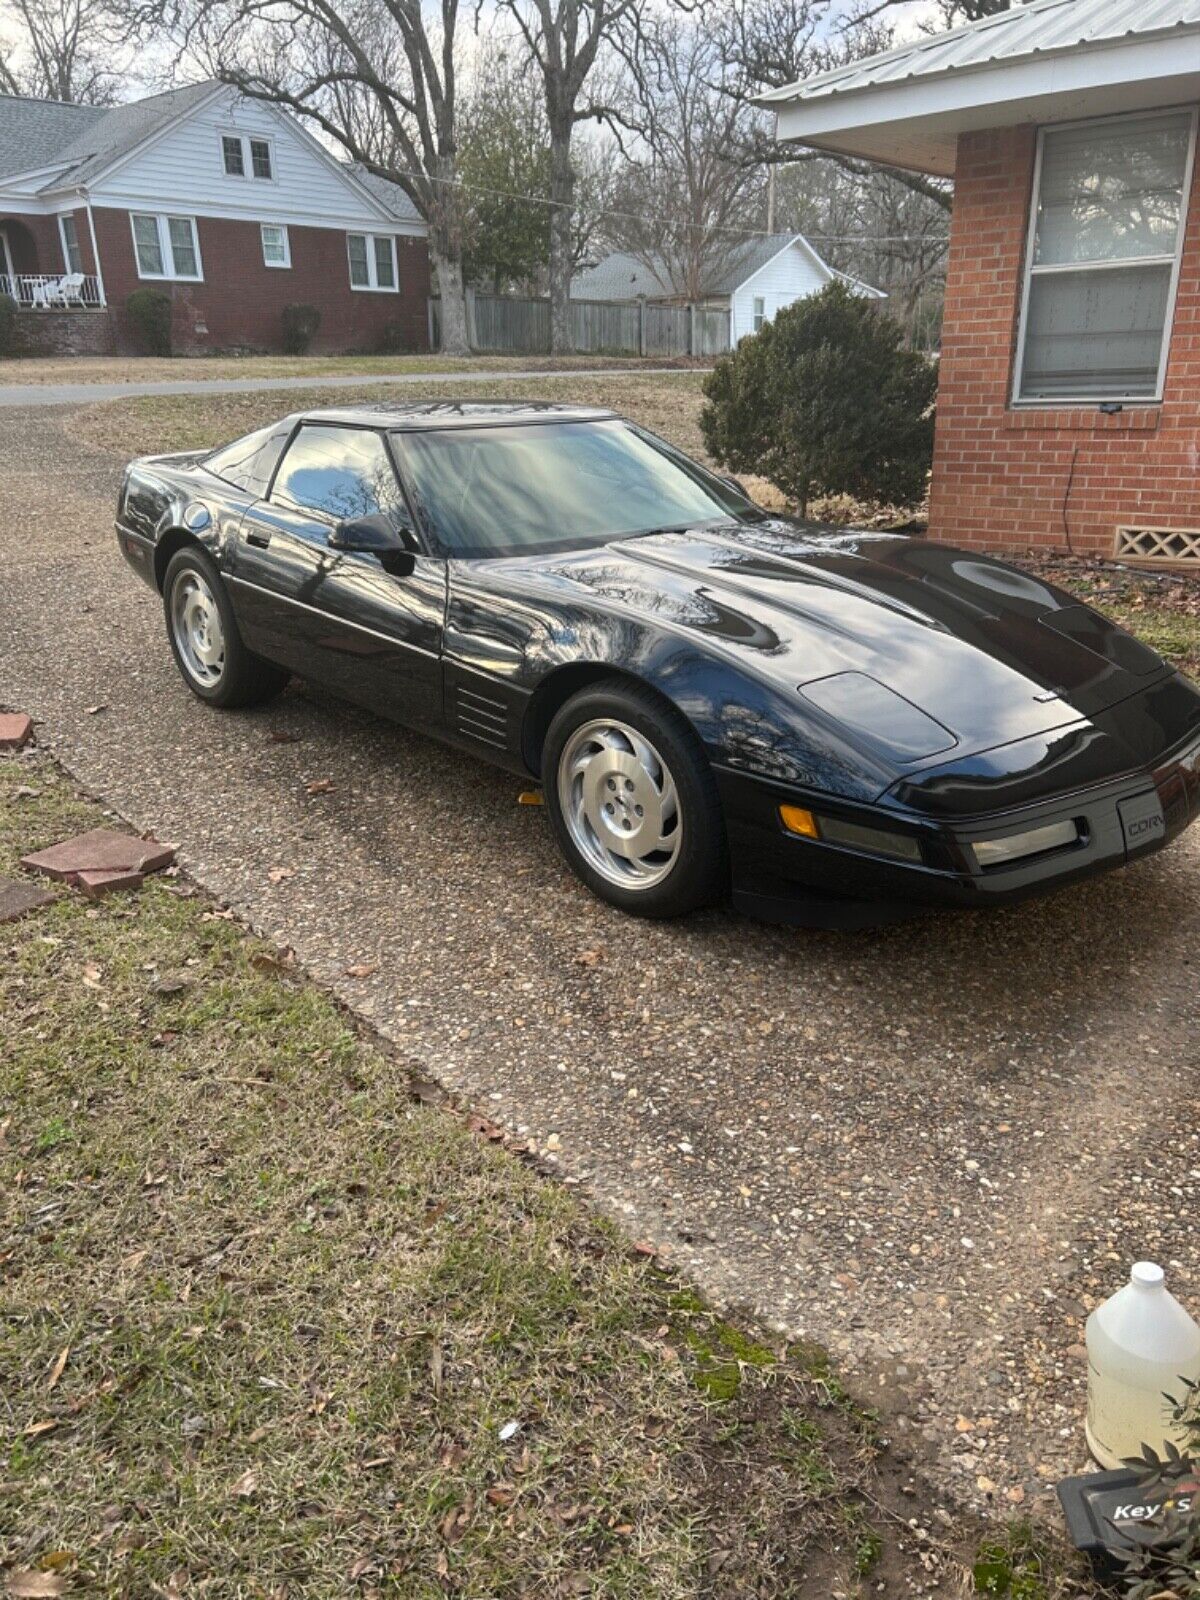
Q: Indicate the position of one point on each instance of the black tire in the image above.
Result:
(243, 679)
(699, 873)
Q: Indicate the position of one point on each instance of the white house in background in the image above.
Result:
(753, 281)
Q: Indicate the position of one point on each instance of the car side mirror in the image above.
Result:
(377, 535)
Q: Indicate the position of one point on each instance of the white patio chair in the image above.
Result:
(45, 294)
(70, 289)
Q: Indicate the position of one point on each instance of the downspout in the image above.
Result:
(95, 251)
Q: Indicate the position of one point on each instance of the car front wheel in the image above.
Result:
(205, 641)
(633, 802)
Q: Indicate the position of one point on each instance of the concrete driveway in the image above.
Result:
(930, 1147)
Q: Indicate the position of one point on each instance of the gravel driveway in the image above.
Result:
(930, 1147)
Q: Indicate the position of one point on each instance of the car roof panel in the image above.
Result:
(427, 414)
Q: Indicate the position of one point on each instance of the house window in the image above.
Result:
(243, 156)
(372, 261)
(276, 247)
(760, 312)
(1110, 204)
(72, 254)
(260, 158)
(166, 247)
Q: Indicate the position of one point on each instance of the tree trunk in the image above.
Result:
(562, 216)
(448, 266)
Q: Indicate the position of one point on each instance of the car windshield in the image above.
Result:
(552, 486)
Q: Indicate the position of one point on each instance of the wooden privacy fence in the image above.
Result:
(510, 325)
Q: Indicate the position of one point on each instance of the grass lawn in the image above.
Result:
(157, 369)
(275, 1322)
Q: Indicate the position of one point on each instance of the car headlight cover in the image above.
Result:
(1031, 842)
(852, 835)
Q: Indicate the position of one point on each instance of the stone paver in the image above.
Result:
(16, 730)
(99, 851)
(17, 898)
(931, 1146)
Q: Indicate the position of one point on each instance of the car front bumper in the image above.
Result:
(779, 876)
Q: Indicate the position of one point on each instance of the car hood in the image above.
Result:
(869, 626)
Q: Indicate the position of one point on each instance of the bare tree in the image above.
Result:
(63, 51)
(953, 12)
(564, 39)
(378, 77)
(696, 193)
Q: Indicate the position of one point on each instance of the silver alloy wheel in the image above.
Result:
(196, 625)
(620, 804)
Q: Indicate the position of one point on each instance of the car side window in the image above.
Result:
(338, 473)
(248, 463)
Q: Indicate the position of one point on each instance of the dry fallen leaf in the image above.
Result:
(247, 1484)
(278, 736)
(28, 1585)
(281, 874)
(361, 969)
(319, 786)
(589, 958)
(56, 1371)
(92, 975)
(94, 710)
(34, 1430)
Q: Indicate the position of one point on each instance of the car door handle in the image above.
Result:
(260, 541)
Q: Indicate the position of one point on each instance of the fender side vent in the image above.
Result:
(1161, 546)
(480, 716)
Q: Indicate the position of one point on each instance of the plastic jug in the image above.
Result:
(1139, 1344)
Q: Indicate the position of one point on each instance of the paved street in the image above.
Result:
(23, 396)
(929, 1147)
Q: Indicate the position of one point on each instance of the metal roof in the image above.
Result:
(1037, 29)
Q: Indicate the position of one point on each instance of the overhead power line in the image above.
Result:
(695, 227)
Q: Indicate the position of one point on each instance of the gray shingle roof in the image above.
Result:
(122, 128)
(388, 194)
(33, 133)
(1039, 28)
(625, 277)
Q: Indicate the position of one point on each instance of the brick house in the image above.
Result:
(1069, 400)
(227, 204)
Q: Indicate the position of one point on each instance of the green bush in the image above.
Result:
(825, 400)
(8, 324)
(149, 313)
(300, 324)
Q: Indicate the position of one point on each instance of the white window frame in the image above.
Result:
(63, 218)
(247, 174)
(1058, 402)
(161, 221)
(280, 227)
(373, 286)
(758, 319)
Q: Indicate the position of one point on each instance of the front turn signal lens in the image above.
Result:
(797, 820)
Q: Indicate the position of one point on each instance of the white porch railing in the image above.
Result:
(53, 291)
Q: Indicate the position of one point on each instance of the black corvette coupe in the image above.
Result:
(838, 726)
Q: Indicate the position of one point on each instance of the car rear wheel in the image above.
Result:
(633, 802)
(205, 642)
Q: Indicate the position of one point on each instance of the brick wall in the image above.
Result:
(240, 301)
(65, 333)
(1011, 478)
